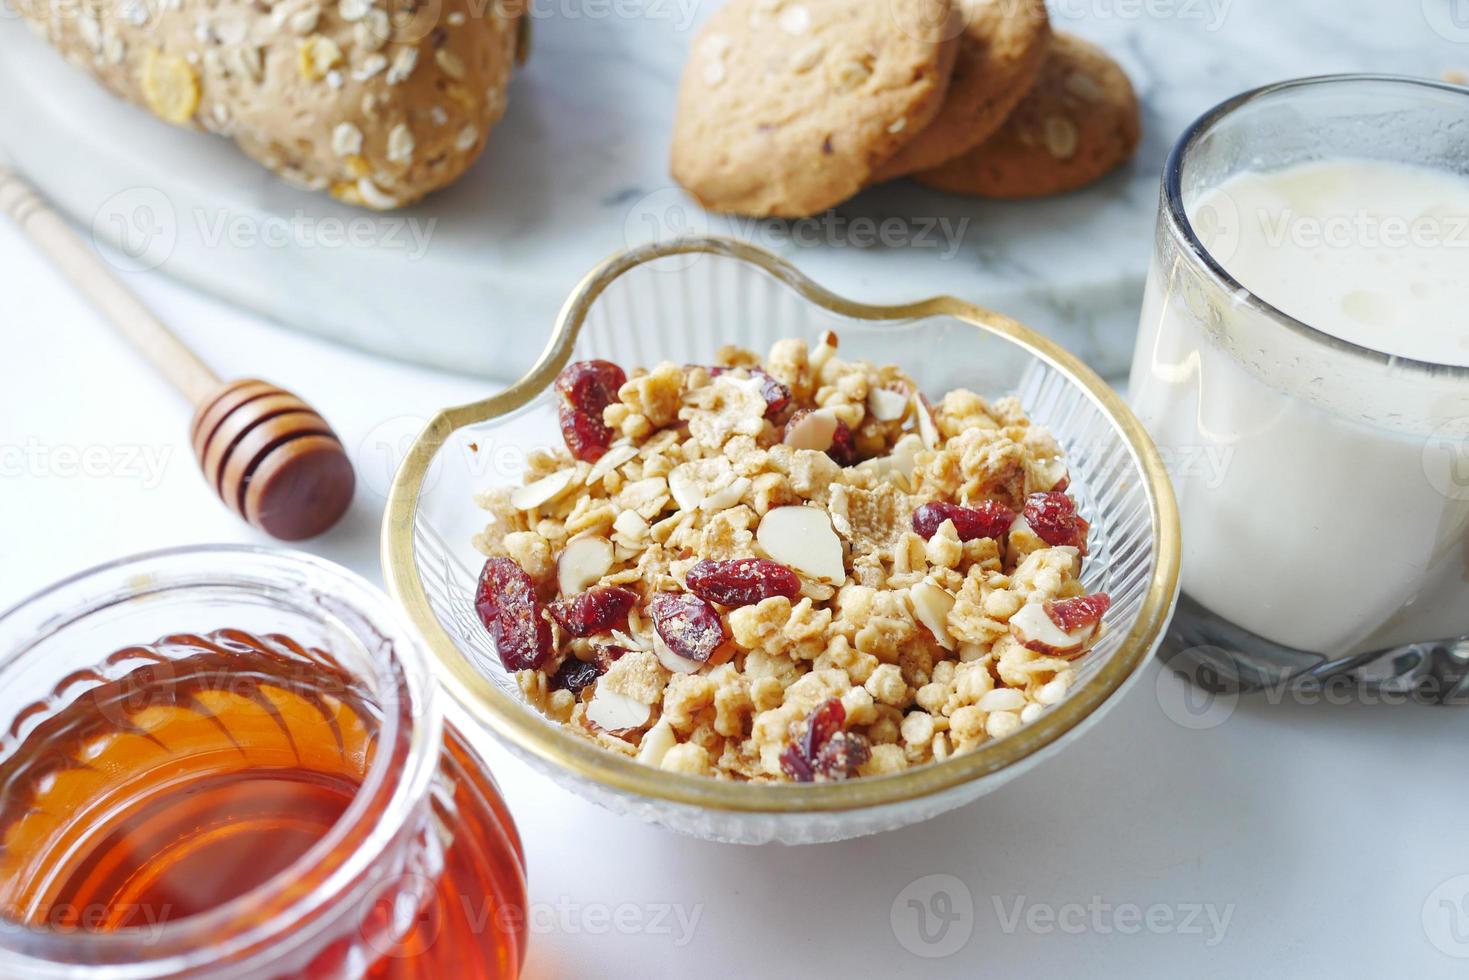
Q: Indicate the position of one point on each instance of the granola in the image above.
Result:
(799, 569)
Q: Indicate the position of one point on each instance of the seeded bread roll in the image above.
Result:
(377, 108)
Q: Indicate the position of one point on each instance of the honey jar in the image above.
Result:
(229, 762)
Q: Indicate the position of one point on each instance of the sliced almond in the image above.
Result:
(928, 429)
(1037, 631)
(802, 537)
(727, 497)
(582, 563)
(656, 743)
(614, 457)
(630, 524)
(887, 405)
(545, 489)
(904, 454)
(824, 351)
(814, 430)
(686, 491)
(931, 604)
(1052, 474)
(901, 460)
(628, 641)
(613, 712)
(671, 660)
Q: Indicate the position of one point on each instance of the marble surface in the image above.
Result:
(1264, 838)
(471, 279)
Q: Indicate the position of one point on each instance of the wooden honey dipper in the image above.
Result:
(271, 458)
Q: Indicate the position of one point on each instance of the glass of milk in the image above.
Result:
(1303, 363)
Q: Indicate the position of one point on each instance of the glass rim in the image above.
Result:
(195, 942)
(1183, 232)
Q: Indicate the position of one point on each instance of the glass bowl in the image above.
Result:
(680, 301)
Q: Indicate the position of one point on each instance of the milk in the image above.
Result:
(1324, 496)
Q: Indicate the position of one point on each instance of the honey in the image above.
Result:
(192, 774)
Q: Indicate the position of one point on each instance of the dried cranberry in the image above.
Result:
(607, 654)
(796, 765)
(742, 581)
(822, 723)
(843, 447)
(777, 396)
(585, 434)
(842, 755)
(594, 611)
(824, 749)
(1052, 516)
(590, 386)
(574, 675)
(507, 605)
(991, 519)
(586, 388)
(1084, 610)
(689, 625)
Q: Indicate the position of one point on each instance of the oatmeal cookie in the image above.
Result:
(1000, 55)
(787, 106)
(1080, 122)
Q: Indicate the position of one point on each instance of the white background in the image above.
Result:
(1331, 836)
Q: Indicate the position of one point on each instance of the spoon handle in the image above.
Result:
(87, 272)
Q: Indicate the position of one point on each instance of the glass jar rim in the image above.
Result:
(196, 942)
(1182, 228)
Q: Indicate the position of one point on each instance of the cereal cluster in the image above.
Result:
(791, 570)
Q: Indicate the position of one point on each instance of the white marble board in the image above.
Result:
(472, 278)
